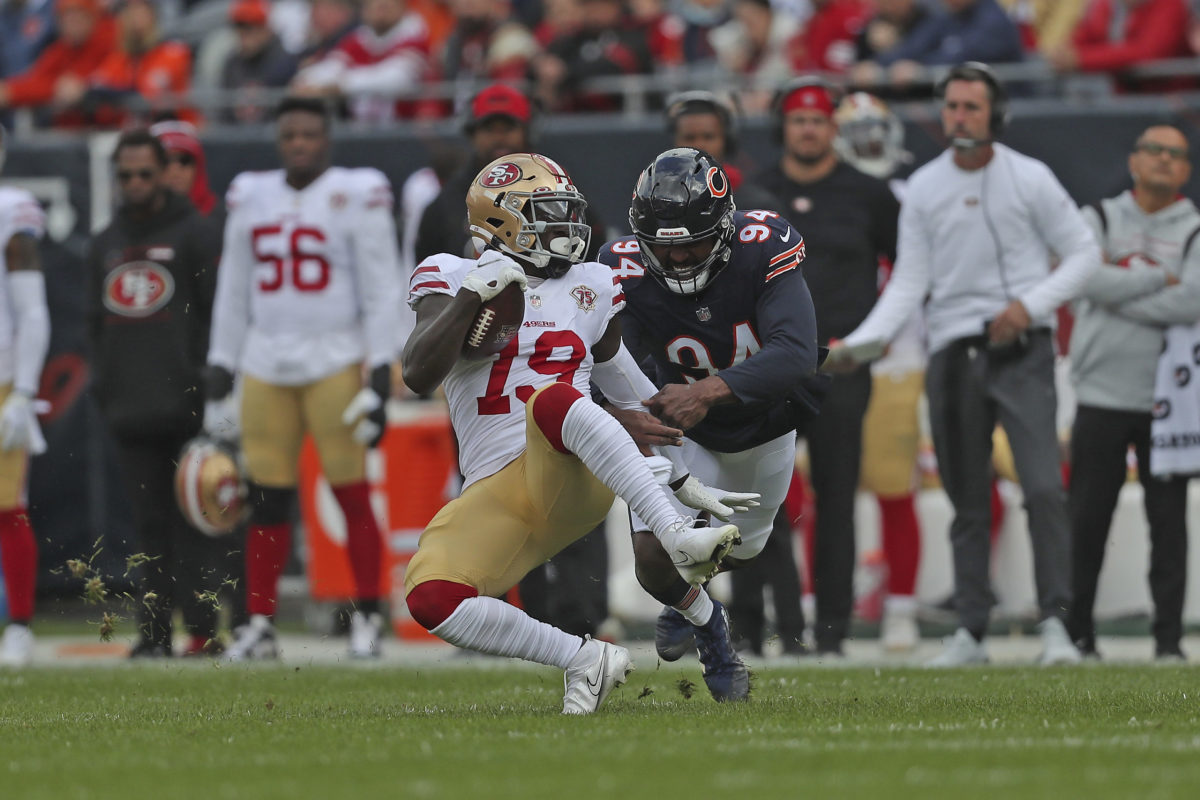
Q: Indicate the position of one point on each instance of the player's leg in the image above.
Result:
(891, 437)
(572, 423)
(272, 434)
(690, 614)
(343, 460)
(18, 553)
(483, 542)
(148, 472)
(1165, 501)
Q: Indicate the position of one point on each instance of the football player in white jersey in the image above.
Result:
(24, 338)
(541, 461)
(308, 293)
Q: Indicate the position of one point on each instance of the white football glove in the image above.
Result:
(493, 272)
(222, 418)
(19, 429)
(366, 411)
(718, 502)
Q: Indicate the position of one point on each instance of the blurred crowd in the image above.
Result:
(107, 63)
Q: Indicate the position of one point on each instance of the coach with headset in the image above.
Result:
(977, 231)
(848, 221)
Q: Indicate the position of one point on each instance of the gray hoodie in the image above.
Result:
(1126, 305)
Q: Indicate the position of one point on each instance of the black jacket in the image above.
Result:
(149, 306)
(848, 220)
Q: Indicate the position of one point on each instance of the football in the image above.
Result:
(496, 324)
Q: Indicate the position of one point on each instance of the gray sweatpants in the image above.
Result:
(969, 391)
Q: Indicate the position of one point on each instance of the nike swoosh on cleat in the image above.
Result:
(594, 688)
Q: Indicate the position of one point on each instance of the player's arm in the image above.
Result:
(617, 374)
(230, 313)
(18, 421)
(444, 320)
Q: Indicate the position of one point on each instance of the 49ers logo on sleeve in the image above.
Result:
(501, 175)
(138, 289)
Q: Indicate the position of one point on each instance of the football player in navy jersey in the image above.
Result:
(716, 299)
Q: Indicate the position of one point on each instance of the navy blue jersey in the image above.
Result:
(754, 325)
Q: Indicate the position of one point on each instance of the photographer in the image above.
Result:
(977, 230)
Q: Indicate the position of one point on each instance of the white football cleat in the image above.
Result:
(961, 651)
(596, 670)
(1057, 647)
(898, 631)
(254, 641)
(365, 634)
(696, 549)
(16, 647)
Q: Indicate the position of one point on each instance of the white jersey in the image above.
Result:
(564, 318)
(310, 280)
(19, 213)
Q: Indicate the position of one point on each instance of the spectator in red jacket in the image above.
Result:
(828, 40)
(387, 55)
(86, 36)
(1151, 30)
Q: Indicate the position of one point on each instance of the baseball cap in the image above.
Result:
(250, 12)
(499, 100)
(809, 98)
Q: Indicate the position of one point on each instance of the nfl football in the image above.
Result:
(496, 324)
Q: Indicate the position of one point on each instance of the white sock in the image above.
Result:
(605, 448)
(696, 606)
(902, 604)
(495, 627)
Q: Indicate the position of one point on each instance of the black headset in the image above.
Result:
(700, 101)
(998, 97)
(790, 88)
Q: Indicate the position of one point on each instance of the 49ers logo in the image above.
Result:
(138, 289)
(501, 175)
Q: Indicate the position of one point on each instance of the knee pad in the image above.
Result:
(431, 603)
(270, 506)
(550, 406)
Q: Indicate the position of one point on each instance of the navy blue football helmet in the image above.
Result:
(683, 198)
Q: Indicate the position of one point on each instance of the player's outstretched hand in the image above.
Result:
(367, 412)
(718, 502)
(493, 272)
(839, 361)
(646, 430)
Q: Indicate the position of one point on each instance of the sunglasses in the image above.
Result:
(183, 159)
(1156, 149)
(126, 175)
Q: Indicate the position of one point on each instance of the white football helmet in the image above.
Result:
(870, 137)
(526, 206)
(209, 486)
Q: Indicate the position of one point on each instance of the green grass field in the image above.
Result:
(464, 731)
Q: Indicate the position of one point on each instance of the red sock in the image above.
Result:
(901, 543)
(997, 512)
(18, 551)
(267, 550)
(364, 543)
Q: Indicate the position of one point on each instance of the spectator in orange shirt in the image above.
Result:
(86, 36)
(142, 68)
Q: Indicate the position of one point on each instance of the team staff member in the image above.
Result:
(1150, 279)
(976, 232)
(849, 222)
(152, 274)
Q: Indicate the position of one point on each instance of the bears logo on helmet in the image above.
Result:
(209, 486)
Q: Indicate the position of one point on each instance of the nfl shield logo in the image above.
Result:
(703, 314)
